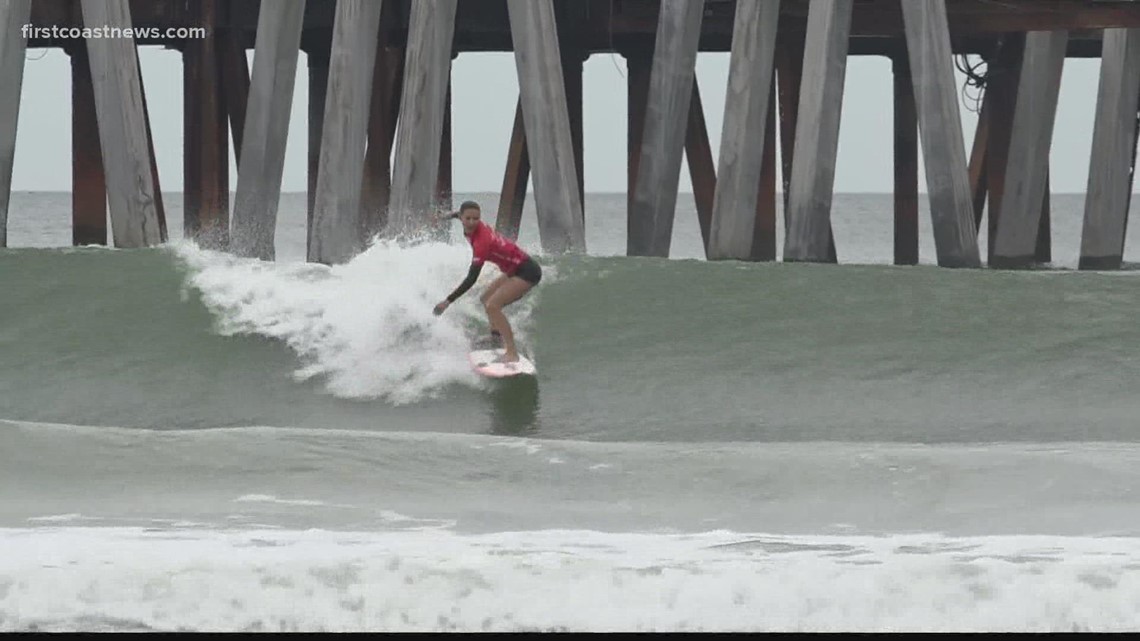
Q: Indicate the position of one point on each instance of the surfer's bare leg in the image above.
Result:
(496, 335)
(506, 293)
(492, 288)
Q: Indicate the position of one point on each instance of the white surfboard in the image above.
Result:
(483, 362)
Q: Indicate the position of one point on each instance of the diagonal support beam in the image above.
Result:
(14, 14)
(940, 129)
(376, 190)
(789, 76)
(338, 229)
(979, 158)
(415, 172)
(1113, 151)
(1003, 75)
(745, 125)
(1030, 140)
(546, 116)
(159, 208)
(235, 78)
(906, 165)
(663, 138)
(88, 181)
(702, 171)
(122, 127)
(817, 131)
(266, 128)
(515, 177)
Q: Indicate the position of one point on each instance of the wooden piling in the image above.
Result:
(376, 190)
(122, 127)
(88, 183)
(906, 165)
(789, 76)
(978, 160)
(1003, 75)
(572, 61)
(206, 147)
(513, 195)
(1043, 251)
(1113, 152)
(764, 229)
(443, 177)
(159, 208)
(940, 129)
(1135, 164)
(338, 231)
(547, 120)
(266, 128)
(663, 136)
(415, 171)
(14, 14)
(318, 70)
(1030, 140)
(638, 62)
(744, 128)
(817, 131)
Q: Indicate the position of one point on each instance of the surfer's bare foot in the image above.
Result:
(508, 358)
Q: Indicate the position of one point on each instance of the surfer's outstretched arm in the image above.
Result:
(472, 276)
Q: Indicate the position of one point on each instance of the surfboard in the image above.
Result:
(483, 362)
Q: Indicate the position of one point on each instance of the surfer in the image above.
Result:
(520, 274)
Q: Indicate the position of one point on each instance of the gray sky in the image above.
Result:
(483, 97)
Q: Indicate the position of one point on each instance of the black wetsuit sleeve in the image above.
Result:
(472, 276)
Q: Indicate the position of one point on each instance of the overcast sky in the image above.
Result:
(485, 89)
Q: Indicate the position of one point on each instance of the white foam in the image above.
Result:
(517, 444)
(90, 578)
(58, 518)
(268, 498)
(365, 327)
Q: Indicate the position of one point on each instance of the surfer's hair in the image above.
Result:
(468, 204)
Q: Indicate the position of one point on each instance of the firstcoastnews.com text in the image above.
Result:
(138, 33)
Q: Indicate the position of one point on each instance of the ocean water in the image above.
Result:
(192, 441)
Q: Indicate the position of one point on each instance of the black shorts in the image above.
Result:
(529, 271)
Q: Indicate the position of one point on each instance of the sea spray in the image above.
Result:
(365, 327)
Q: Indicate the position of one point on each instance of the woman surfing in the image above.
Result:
(520, 273)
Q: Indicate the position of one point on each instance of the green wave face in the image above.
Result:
(627, 348)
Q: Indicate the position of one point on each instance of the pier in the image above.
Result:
(379, 140)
